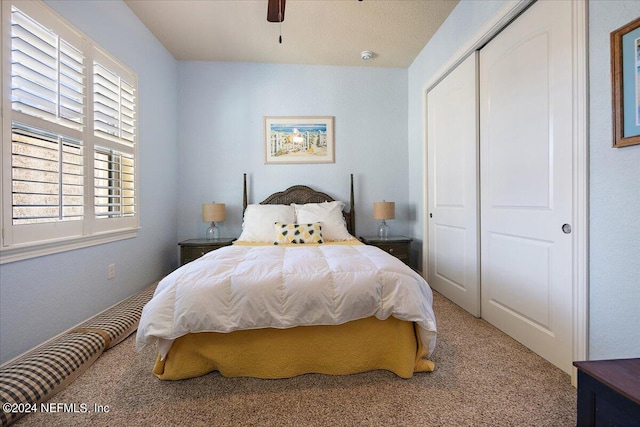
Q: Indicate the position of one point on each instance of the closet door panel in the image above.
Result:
(526, 180)
(452, 186)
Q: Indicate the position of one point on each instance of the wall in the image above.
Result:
(42, 297)
(614, 202)
(614, 234)
(221, 110)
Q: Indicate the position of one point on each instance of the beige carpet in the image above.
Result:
(482, 378)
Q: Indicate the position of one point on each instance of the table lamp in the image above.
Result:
(213, 212)
(384, 211)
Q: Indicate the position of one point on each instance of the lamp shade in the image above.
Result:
(213, 212)
(384, 210)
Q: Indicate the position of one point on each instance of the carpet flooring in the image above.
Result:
(482, 378)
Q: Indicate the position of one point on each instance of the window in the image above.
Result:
(69, 138)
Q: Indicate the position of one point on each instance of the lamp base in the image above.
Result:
(383, 230)
(213, 232)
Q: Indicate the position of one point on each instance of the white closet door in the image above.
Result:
(452, 186)
(526, 180)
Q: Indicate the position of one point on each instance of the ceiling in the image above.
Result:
(326, 32)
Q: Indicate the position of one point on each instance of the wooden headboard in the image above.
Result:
(301, 194)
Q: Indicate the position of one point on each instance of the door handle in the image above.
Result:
(566, 229)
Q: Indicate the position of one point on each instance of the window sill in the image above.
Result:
(19, 253)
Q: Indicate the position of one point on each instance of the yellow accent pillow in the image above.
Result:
(298, 233)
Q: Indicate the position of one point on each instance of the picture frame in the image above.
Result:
(298, 139)
(625, 75)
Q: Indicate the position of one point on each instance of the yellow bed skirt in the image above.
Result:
(357, 346)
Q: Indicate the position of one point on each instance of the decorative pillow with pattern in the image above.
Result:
(298, 233)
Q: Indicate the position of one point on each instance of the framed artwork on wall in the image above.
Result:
(298, 140)
(625, 84)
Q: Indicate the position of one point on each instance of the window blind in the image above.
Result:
(47, 177)
(114, 186)
(46, 73)
(113, 106)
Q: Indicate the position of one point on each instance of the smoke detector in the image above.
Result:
(366, 55)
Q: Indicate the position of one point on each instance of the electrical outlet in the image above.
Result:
(111, 271)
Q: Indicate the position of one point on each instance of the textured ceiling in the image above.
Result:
(328, 32)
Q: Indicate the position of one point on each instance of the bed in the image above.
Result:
(297, 293)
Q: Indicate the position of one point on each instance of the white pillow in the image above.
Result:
(329, 215)
(259, 221)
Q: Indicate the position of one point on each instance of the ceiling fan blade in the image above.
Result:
(275, 10)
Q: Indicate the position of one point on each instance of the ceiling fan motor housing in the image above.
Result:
(275, 10)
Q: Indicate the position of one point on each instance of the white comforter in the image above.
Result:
(250, 287)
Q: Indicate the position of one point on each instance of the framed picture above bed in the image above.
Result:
(625, 73)
(298, 140)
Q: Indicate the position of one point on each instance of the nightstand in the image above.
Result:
(398, 246)
(194, 248)
(608, 392)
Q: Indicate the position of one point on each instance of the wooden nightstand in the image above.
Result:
(398, 246)
(608, 392)
(194, 248)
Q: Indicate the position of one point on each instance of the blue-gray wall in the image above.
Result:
(42, 297)
(221, 110)
(614, 307)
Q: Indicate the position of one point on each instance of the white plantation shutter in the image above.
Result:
(47, 73)
(48, 177)
(71, 84)
(113, 106)
(114, 125)
(68, 135)
(114, 188)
